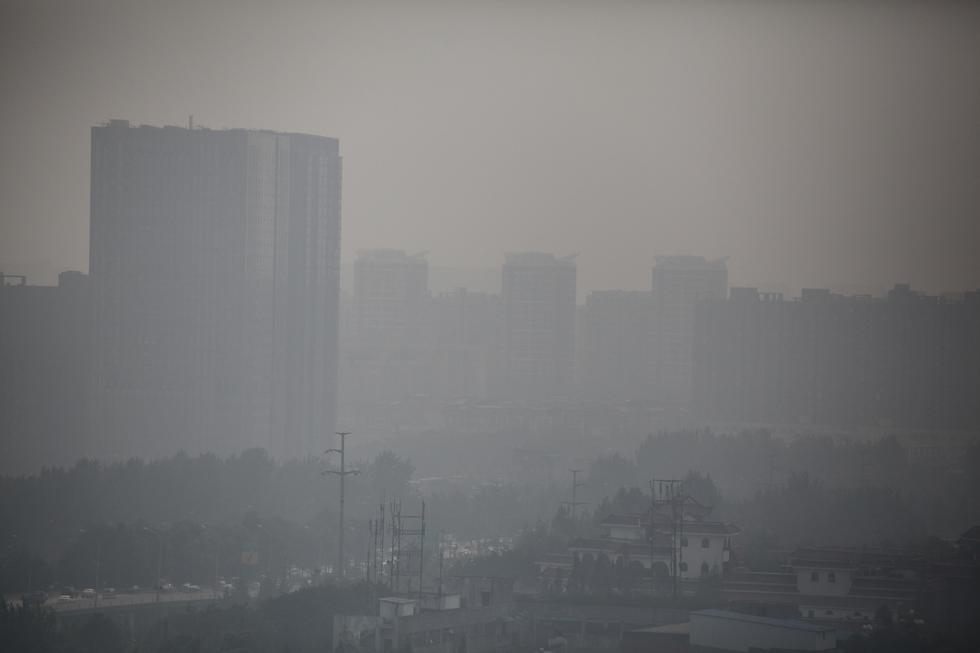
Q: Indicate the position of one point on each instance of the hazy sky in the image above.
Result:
(815, 143)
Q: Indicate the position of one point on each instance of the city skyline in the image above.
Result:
(489, 327)
(214, 290)
(815, 144)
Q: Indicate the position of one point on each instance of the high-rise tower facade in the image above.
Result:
(391, 289)
(539, 325)
(678, 284)
(214, 264)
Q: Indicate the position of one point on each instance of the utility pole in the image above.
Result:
(367, 558)
(98, 561)
(421, 551)
(217, 554)
(379, 574)
(576, 484)
(343, 473)
(440, 569)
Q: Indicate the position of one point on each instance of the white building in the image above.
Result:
(839, 585)
(698, 547)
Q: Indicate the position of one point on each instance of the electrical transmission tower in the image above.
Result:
(343, 473)
(576, 484)
(407, 548)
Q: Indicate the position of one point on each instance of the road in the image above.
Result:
(127, 599)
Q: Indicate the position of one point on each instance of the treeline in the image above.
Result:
(55, 504)
(807, 511)
(191, 519)
(808, 489)
(300, 622)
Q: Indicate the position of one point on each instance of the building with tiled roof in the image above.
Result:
(653, 546)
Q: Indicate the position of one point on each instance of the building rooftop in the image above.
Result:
(539, 259)
(683, 628)
(851, 557)
(621, 520)
(791, 624)
(690, 263)
(389, 256)
(972, 535)
(116, 123)
(710, 528)
(396, 599)
(691, 526)
(639, 548)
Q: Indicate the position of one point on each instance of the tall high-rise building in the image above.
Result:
(44, 358)
(678, 284)
(617, 335)
(905, 361)
(214, 264)
(539, 325)
(386, 356)
(466, 333)
(391, 289)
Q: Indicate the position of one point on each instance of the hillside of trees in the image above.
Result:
(190, 518)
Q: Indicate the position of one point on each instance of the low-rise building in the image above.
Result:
(832, 584)
(660, 543)
(724, 630)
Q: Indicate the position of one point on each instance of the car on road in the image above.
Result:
(88, 593)
(65, 598)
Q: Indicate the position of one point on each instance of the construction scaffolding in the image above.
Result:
(667, 500)
(406, 561)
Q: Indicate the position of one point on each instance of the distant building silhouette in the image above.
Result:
(539, 325)
(406, 353)
(385, 357)
(617, 339)
(44, 363)
(214, 264)
(678, 284)
(466, 331)
(905, 360)
(391, 289)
